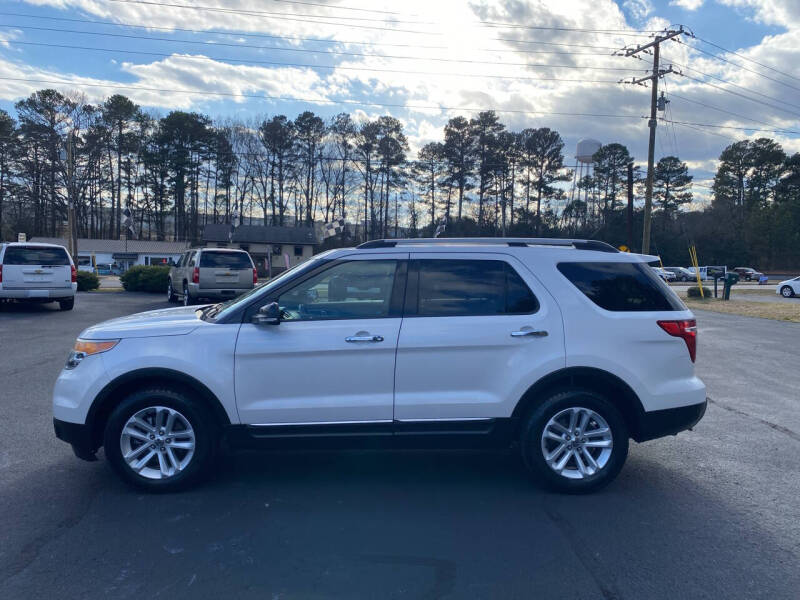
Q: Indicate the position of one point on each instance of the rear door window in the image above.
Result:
(460, 288)
(226, 260)
(621, 286)
(36, 255)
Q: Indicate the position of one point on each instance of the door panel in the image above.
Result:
(325, 363)
(306, 371)
(465, 367)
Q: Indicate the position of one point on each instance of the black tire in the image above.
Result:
(67, 304)
(533, 428)
(787, 291)
(171, 297)
(187, 299)
(206, 438)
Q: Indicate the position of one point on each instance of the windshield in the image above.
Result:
(223, 309)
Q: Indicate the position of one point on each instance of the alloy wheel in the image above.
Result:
(577, 443)
(157, 442)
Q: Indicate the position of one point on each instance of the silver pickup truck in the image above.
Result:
(211, 273)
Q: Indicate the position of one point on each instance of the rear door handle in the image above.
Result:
(531, 332)
(364, 338)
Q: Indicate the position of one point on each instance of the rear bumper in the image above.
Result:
(217, 293)
(79, 436)
(670, 421)
(38, 293)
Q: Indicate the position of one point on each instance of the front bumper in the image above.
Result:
(79, 436)
(670, 421)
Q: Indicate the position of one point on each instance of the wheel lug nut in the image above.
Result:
(152, 446)
(152, 437)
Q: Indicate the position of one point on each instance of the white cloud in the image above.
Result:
(639, 9)
(687, 4)
(771, 12)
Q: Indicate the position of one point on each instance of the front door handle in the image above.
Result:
(364, 338)
(531, 332)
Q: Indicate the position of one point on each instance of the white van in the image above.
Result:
(37, 273)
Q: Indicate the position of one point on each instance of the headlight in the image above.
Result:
(84, 348)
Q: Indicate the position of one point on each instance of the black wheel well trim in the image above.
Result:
(591, 378)
(125, 384)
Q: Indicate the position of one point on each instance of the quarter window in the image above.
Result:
(621, 286)
(360, 289)
(458, 288)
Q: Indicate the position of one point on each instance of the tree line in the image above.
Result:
(178, 172)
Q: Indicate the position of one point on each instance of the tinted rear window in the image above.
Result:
(35, 255)
(226, 260)
(621, 286)
(449, 288)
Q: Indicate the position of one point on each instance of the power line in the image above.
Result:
(620, 32)
(339, 7)
(779, 131)
(737, 65)
(305, 39)
(727, 137)
(306, 65)
(314, 100)
(332, 52)
(717, 108)
(791, 112)
(749, 59)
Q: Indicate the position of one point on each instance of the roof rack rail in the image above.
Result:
(595, 245)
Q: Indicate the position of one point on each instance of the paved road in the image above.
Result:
(708, 514)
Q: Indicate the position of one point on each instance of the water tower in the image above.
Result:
(587, 147)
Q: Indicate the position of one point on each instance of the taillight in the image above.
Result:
(73, 273)
(686, 329)
(196, 275)
(255, 276)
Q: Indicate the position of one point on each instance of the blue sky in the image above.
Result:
(417, 56)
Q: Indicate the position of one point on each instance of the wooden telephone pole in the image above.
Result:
(657, 74)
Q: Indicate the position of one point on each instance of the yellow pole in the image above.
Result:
(696, 265)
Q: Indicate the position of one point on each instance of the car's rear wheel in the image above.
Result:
(575, 441)
(159, 440)
(171, 297)
(787, 291)
(187, 300)
(67, 304)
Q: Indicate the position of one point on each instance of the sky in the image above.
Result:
(539, 63)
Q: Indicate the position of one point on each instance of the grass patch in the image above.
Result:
(763, 310)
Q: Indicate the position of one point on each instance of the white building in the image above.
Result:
(122, 253)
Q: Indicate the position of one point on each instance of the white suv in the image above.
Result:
(37, 273)
(564, 348)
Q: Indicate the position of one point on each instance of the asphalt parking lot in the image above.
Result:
(712, 513)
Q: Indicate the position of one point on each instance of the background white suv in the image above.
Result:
(37, 273)
(564, 348)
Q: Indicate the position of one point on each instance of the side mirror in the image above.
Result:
(269, 314)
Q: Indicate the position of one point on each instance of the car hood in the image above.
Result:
(166, 321)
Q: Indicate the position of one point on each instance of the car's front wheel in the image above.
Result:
(159, 440)
(575, 441)
(787, 291)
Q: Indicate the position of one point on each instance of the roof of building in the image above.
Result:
(260, 234)
(132, 247)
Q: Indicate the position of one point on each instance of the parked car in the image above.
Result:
(789, 288)
(681, 273)
(664, 274)
(553, 347)
(211, 273)
(708, 272)
(748, 274)
(37, 273)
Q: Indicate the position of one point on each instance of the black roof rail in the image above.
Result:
(377, 244)
(595, 245)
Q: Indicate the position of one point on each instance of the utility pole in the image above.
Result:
(73, 242)
(629, 210)
(658, 73)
